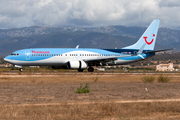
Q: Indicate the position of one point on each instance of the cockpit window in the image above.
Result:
(15, 54)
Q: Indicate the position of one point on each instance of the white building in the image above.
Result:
(165, 67)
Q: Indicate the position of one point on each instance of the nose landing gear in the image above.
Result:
(20, 67)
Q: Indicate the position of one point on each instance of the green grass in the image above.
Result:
(83, 89)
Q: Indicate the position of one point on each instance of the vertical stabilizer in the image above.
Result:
(148, 38)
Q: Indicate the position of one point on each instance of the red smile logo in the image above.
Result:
(149, 43)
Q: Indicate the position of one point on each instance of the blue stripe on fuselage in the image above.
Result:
(137, 57)
(132, 51)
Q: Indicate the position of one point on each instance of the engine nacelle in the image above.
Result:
(77, 65)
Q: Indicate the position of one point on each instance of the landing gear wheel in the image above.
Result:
(80, 70)
(90, 69)
(20, 69)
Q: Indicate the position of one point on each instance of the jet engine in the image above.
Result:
(77, 65)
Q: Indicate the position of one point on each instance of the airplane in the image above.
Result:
(86, 58)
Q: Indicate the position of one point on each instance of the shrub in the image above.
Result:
(163, 78)
(83, 89)
(148, 79)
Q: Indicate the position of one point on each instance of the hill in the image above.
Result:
(64, 37)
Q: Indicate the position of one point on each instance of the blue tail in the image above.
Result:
(148, 38)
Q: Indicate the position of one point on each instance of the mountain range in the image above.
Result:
(64, 37)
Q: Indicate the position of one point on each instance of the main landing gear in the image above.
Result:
(90, 69)
(80, 70)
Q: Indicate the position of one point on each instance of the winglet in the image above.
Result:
(139, 53)
(77, 46)
(141, 49)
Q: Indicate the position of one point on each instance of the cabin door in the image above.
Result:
(27, 55)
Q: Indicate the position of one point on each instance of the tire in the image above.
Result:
(21, 70)
(80, 70)
(90, 69)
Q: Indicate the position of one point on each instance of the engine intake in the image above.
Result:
(77, 65)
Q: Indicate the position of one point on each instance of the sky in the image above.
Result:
(88, 13)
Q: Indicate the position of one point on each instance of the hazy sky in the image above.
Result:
(88, 13)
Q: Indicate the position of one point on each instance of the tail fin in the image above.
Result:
(149, 37)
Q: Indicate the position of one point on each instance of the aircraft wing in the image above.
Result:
(158, 50)
(105, 59)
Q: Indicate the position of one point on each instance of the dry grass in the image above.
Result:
(76, 77)
(148, 79)
(28, 88)
(65, 78)
(163, 78)
(138, 111)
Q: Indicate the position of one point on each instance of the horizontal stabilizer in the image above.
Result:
(158, 50)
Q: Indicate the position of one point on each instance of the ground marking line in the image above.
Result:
(100, 102)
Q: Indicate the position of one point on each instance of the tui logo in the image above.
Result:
(149, 43)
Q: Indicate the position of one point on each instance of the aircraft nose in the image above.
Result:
(7, 58)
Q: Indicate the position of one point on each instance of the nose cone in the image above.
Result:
(7, 58)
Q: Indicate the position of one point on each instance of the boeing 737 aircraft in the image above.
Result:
(80, 58)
